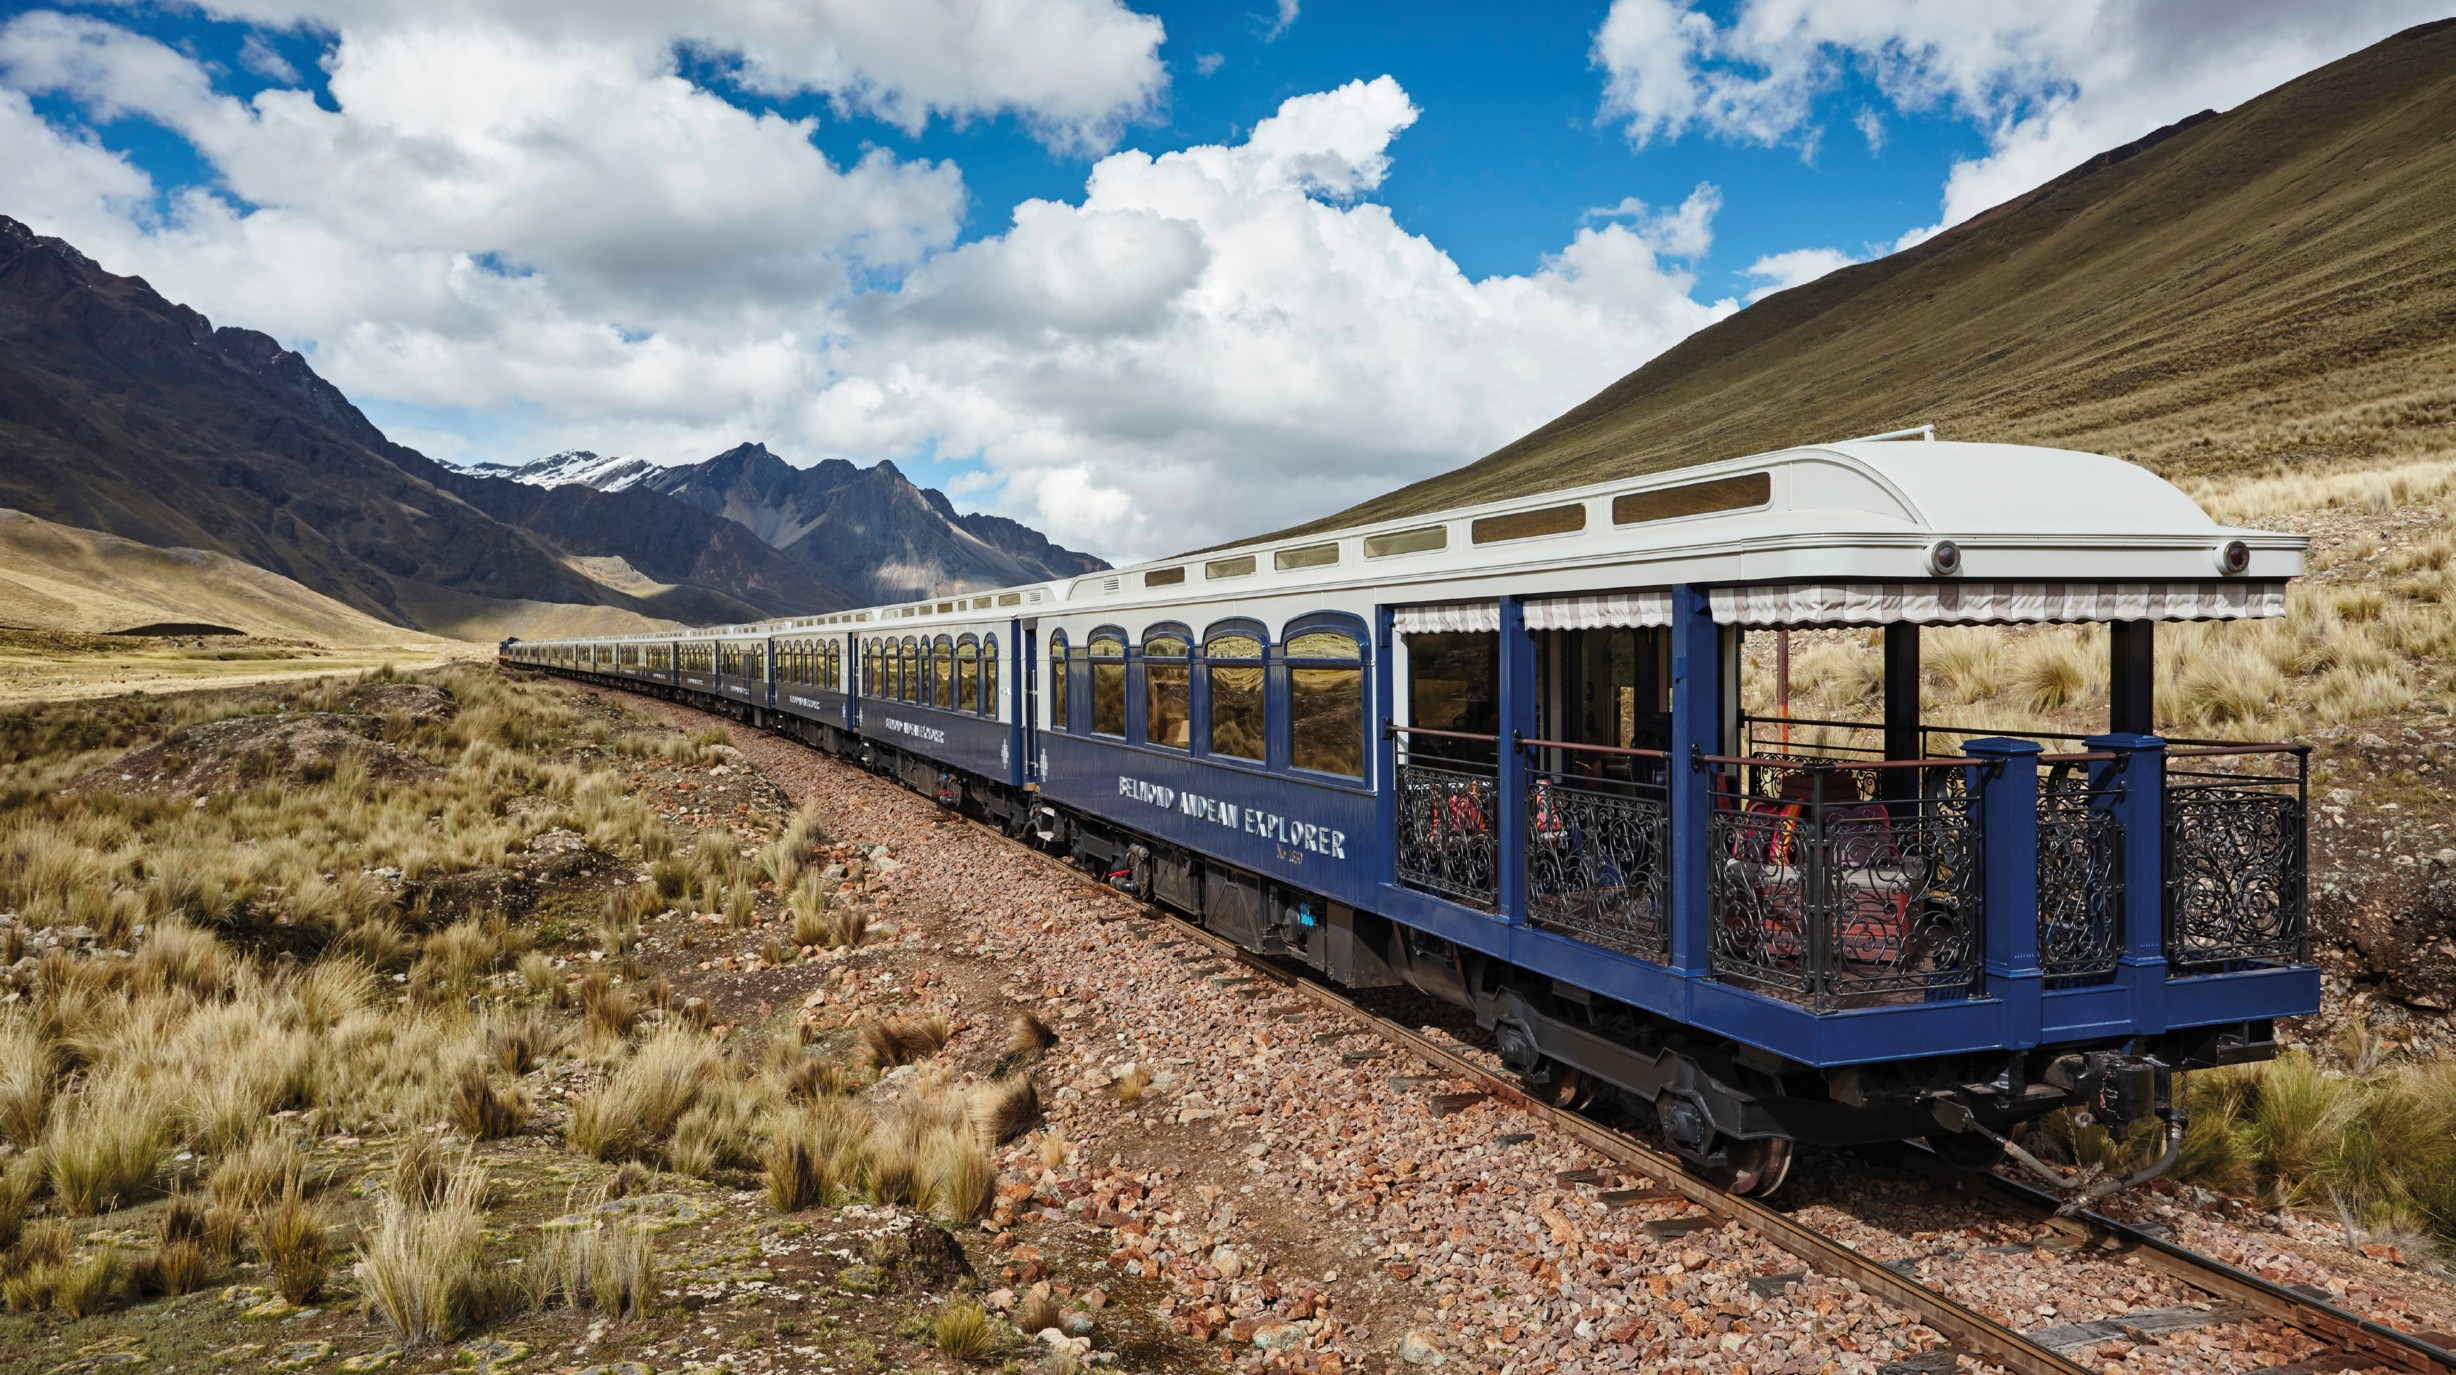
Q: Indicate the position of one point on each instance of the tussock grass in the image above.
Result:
(606, 1267)
(1130, 1086)
(482, 1111)
(267, 1167)
(290, 1237)
(1028, 1036)
(1006, 1109)
(1036, 1312)
(961, 1330)
(105, 1145)
(2377, 1143)
(641, 1105)
(793, 1169)
(895, 1041)
(421, 1268)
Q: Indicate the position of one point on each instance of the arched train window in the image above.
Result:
(1232, 664)
(1107, 653)
(1059, 667)
(942, 672)
(1168, 701)
(989, 675)
(967, 675)
(1326, 701)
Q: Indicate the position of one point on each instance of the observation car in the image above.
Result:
(1501, 755)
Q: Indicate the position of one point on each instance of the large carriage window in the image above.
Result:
(835, 668)
(869, 668)
(1058, 665)
(942, 672)
(909, 667)
(1168, 704)
(1108, 656)
(1233, 664)
(1326, 703)
(967, 675)
(989, 675)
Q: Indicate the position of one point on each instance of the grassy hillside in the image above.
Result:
(57, 577)
(2267, 287)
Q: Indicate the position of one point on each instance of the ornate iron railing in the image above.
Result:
(1598, 846)
(1449, 824)
(2080, 880)
(1826, 893)
(2236, 859)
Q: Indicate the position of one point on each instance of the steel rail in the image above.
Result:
(2320, 1318)
(1969, 1331)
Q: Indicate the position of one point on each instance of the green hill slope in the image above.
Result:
(2273, 285)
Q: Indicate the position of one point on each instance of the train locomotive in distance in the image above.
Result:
(1502, 755)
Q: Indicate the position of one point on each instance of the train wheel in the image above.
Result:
(1566, 1086)
(1967, 1152)
(1753, 1168)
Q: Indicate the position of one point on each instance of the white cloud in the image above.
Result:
(1078, 70)
(1872, 128)
(1782, 271)
(2053, 82)
(1287, 16)
(1208, 63)
(1686, 231)
(1280, 346)
(264, 60)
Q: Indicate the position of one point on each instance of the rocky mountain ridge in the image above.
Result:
(871, 530)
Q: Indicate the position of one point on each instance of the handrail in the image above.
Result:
(1526, 744)
(2247, 747)
(2084, 757)
(1392, 728)
(1760, 761)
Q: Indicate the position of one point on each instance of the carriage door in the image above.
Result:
(1028, 712)
(1448, 838)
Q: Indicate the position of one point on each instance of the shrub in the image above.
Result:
(811, 1078)
(1036, 1312)
(170, 1269)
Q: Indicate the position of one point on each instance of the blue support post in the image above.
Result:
(1386, 760)
(1696, 728)
(2134, 788)
(2007, 794)
(1519, 686)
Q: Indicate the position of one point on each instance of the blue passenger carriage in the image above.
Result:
(1502, 755)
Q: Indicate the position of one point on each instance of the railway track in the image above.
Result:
(2351, 1341)
(2354, 1342)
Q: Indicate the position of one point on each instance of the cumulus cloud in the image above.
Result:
(1782, 271)
(1685, 231)
(2053, 82)
(1223, 338)
(558, 231)
(1077, 70)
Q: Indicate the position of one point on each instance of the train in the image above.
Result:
(1506, 755)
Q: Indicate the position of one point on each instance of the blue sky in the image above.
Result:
(1312, 254)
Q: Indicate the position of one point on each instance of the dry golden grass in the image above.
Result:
(483, 1112)
(962, 1331)
(605, 1267)
(289, 1236)
(1029, 1036)
(895, 1041)
(421, 1268)
(1006, 1109)
(638, 1109)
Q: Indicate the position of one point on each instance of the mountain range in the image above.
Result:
(2270, 286)
(128, 414)
(870, 529)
